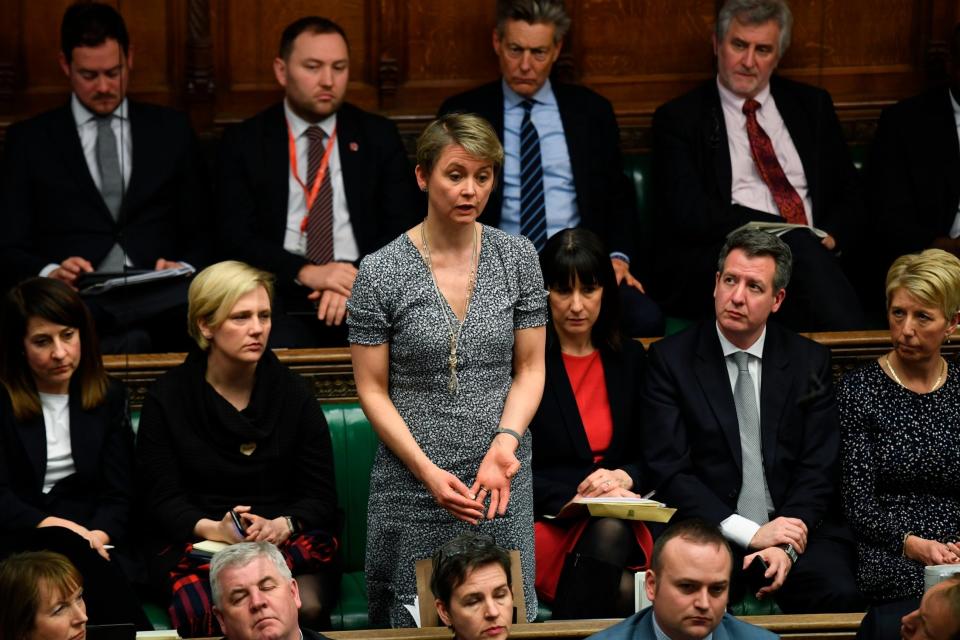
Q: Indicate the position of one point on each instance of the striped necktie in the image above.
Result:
(320, 218)
(533, 214)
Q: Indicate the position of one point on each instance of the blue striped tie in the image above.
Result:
(533, 217)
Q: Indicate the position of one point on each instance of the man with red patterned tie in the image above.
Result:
(311, 185)
(745, 147)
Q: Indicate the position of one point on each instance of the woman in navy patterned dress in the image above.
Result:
(900, 418)
(447, 332)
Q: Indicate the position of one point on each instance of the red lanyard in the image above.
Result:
(309, 195)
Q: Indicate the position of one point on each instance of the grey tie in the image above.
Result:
(752, 503)
(111, 185)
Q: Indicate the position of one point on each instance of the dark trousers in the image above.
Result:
(640, 316)
(882, 621)
(295, 324)
(822, 580)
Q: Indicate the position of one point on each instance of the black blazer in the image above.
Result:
(253, 185)
(693, 177)
(51, 209)
(914, 173)
(561, 453)
(605, 197)
(692, 439)
(97, 496)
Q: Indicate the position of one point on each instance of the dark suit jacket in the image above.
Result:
(691, 435)
(561, 455)
(253, 187)
(605, 197)
(914, 173)
(693, 178)
(639, 626)
(51, 208)
(97, 496)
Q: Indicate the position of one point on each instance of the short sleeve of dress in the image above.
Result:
(366, 315)
(531, 307)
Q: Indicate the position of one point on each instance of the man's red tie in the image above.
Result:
(788, 200)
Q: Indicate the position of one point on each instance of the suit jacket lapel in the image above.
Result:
(774, 389)
(805, 140)
(714, 132)
(711, 371)
(276, 162)
(34, 439)
(147, 142)
(567, 403)
(618, 391)
(86, 434)
(949, 152)
(352, 154)
(66, 138)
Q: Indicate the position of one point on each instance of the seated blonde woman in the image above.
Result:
(900, 417)
(232, 432)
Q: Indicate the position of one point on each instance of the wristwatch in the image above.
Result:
(791, 553)
(291, 525)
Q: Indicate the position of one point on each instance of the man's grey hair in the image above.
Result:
(755, 244)
(240, 555)
(534, 12)
(755, 12)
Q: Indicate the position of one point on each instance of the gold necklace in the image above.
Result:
(896, 378)
(453, 385)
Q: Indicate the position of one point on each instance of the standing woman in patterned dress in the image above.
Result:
(447, 333)
(900, 417)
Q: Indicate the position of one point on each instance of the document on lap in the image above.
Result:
(780, 228)
(622, 508)
(98, 282)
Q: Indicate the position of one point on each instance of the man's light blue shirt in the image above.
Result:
(560, 195)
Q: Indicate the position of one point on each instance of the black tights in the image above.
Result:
(595, 581)
(318, 594)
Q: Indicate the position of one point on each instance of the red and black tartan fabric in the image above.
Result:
(191, 609)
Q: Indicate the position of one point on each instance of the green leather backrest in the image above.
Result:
(354, 447)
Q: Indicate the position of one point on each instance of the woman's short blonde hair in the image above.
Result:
(467, 130)
(932, 277)
(216, 289)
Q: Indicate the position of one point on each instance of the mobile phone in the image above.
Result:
(238, 523)
(754, 574)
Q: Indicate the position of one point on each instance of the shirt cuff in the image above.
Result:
(47, 270)
(617, 255)
(739, 530)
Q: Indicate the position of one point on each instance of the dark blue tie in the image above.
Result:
(533, 215)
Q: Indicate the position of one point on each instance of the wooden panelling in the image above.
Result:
(214, 57)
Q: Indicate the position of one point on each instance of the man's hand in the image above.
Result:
(778, 566)
(829, 243)
(333, 276)
(71, 269)
(163, 264)
(621, 269)
(781, 530)
(332, 308)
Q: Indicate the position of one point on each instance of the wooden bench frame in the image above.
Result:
(330, 371)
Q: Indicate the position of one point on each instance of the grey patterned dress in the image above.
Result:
(394, 301)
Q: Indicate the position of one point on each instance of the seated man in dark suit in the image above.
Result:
(562, 165)
(311, 185)
(740, 428)
(689, 585)
(254, 595)
(102, 183)
(914, 174)
(747, 147)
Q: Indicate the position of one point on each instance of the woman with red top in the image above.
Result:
(585, 436)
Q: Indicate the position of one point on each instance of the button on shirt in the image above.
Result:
(748, 188)
(344, 242)
(737, 528)
(560, 195)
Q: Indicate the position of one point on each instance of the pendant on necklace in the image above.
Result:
(247, 448)
(453, 386)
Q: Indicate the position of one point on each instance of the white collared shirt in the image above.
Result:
(736, 528)
(747, 187)
(955, 227)
(344, 242)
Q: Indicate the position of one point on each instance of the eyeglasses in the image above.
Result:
(540, 54)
